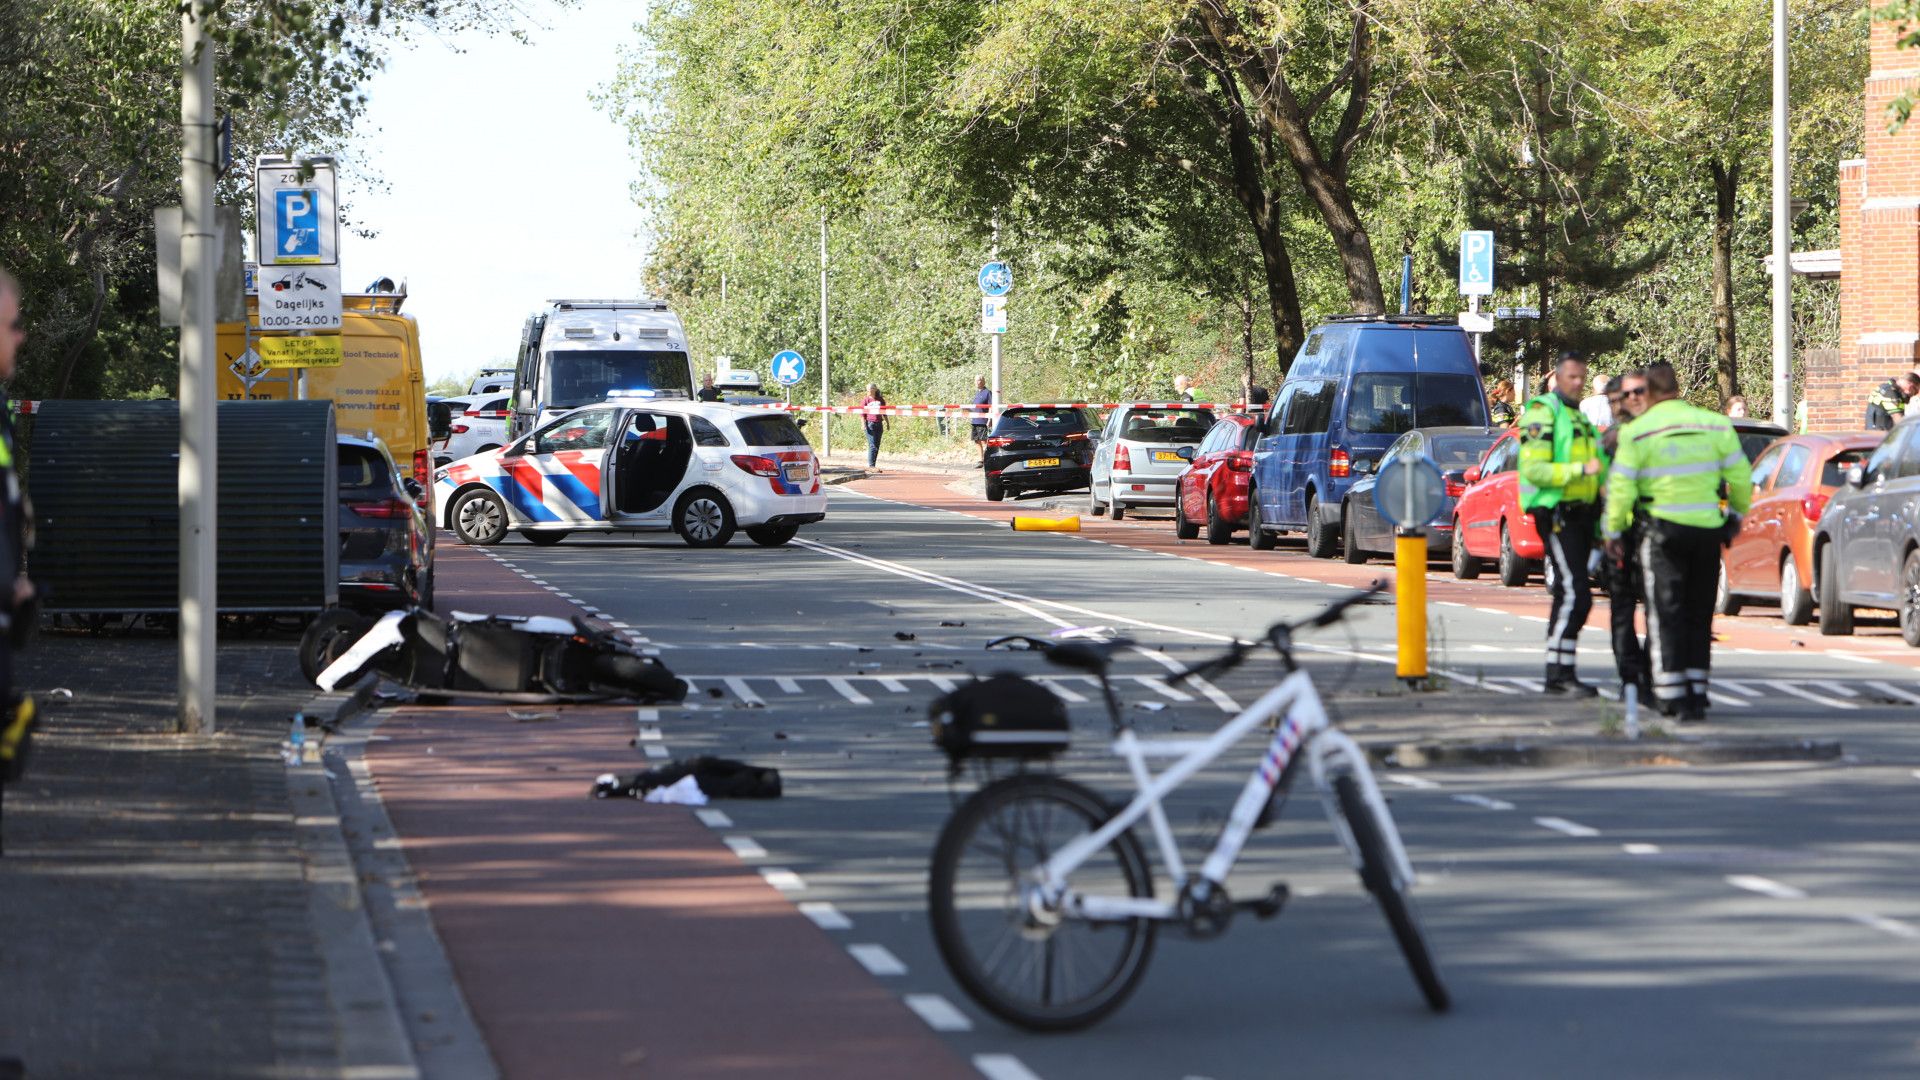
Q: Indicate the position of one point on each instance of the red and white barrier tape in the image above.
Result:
(976, 410)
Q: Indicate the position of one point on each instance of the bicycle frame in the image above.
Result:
(1329, 752)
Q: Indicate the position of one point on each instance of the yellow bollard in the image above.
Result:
(1035, 524)
(1410, 599)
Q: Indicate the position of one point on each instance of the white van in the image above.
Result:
(577, 352)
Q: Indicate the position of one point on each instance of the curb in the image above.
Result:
(330, 710)
(1595, 751)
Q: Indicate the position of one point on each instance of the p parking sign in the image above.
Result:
(296, 212)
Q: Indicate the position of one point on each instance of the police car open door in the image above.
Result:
(650, 461)
(553, 477)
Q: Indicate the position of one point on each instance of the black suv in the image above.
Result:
(386, 534)
(1867, 550)
(1037, 449)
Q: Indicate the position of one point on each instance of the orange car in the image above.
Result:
(1772, 557)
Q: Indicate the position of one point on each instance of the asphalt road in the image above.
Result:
(1732, 921)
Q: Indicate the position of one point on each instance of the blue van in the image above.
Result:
(1358, 383)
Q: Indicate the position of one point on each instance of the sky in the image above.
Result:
(505, 185)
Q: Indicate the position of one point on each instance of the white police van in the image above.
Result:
(578, 352)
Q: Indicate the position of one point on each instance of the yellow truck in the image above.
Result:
(379, 385)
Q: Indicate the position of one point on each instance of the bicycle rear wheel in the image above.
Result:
(1038, 970)
(1369, 835)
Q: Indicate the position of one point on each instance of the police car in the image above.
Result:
(640, 463)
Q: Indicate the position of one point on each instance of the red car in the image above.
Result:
(1213, 488)
(1773, 554)
(1488, 525)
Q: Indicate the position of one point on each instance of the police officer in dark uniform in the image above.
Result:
(1887, 405)
(16, 530)
(1626, 587)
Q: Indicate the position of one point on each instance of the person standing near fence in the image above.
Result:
(982, 413)
(874, 409)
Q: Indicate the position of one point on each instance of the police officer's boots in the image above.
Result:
(1561, 680)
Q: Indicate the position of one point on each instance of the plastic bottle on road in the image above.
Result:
(295, 749)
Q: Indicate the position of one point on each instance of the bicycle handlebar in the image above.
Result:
(1279, 635)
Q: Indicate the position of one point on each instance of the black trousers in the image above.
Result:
(1626, 591)
(1567, 532)
(1682, 567)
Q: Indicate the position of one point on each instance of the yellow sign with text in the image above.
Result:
(322, 350)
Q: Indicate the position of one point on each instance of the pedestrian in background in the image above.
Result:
(874, 406)
(1598, 407)
(1626, 588)
(1257, 399)
(1182, 388)
(1736, 408)
(982, 412)
(1888, 402)
(1685, 466)
(16, 536)
(1500, 404)
(1560, 486)
(708, 392)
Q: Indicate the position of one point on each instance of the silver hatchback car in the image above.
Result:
(1137, 459)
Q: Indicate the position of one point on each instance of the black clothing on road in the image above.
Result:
(1567, 531)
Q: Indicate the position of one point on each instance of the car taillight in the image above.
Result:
(1813, 504)
(1122, 461)
(382, 508)
(459, 429)
(1078, 436)
(485, 414)
(423, 469)
(1240, 461)
(1339, 465)
(757, 465)
(1456, 485)
(999, 440)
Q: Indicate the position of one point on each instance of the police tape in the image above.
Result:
(977, 410)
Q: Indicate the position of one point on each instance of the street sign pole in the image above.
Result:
(826, 418)
(199, 390)
(996, 281)
(1782, 227)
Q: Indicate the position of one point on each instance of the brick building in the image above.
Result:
(1879, 251)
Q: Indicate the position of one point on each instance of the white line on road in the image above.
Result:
(742, 691)
(1484, 801)
(786, 685)
(745, 846)
(938, 1012)
(1562, 825)
(782, 879)
(945, 684)
(1160, 687)
(1641, 849)
(1738, 686)
(1072, 696)
(714, 819)
(825, 915)
(1835, 687)
(1409, 780)
(877, 959)
(1893, 691)
(1887, 926)
(1765, 887)
(892, 686)
(650, 734)
(1003, 1067)
(847, 691)
(1214, 694)
(657, 751)
(1786, 687)
(1490, 611)
(1719, 698)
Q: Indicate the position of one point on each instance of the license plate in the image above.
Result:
(1165, 455)
(1042, 462)
(796, 472)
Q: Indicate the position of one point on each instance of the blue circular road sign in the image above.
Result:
(996, 279)
(789, 367)
(1409, 490)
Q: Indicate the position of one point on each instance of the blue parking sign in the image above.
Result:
(297, 220)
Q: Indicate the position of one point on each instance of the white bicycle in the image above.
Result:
(1041, 899)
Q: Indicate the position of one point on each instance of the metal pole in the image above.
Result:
(1782, 227)
(198, 390)
(826, 418)
(993, 409)
(1406, 283)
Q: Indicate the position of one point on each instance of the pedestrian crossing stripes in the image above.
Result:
(1745, 693)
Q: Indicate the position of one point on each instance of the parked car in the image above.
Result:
(639, 463)
(1036, 450)
(1866, 551)
(1487, 523)
(1364, 530)
(1772, 557)
(1136, 456)
(386, 533)
(1756, 435)
(493, 380)
(479, 424)
(1357, 384)
(1213, 487)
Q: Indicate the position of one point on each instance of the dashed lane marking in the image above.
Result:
(938, 1012)
(656, 751)
(745, 847)
(878, 960)
(783, 879)
(1160, 687)
(1003, 1067)
(1641, 849)
(1562, 825)
(1765, 887)
(744, 692)
(1072, 697)
(1786, 686)
(1409, 780)
(825, 915)
(714, 819)
(1887, 926)
(1893, 691)
(892, 686)
(1484, 801)
(847, 691)
(786, 685)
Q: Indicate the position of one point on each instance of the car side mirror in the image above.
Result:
(1856, 475)
(526, 399)
(1185, 452)
(414, 490)
(1472, 476)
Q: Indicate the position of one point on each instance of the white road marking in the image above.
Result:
(657, 751)
(877, 959)
(1071, 696)
(892, 686)
(1490, 611)
(1409, 780)
(938, 1012)
(1641, 849)
(945, 684)
(713, 819)
(1887, 926)
(1719, 698)
(1160, 687)
(783, 879)
(847, 691)
(1893, 691)
(1855, 657)
(825, 915)
(1484, 801)
(1562, 825)
(650, 734)
(646, 714)
(1738, 686)
(561, 595)
(617, 625)
(1003, 1067)
(786, 685)
(742, 691)
(1765, 887)
(1786, 687)
(1835, 687)
(1212, 692)
(745, 846)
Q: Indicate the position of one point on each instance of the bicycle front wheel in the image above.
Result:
(1369, 835)
(1043, 971)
